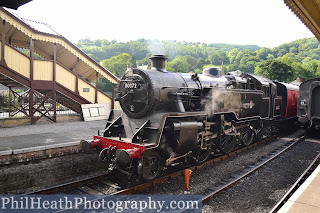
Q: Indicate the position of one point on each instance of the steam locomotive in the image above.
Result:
(172, 118)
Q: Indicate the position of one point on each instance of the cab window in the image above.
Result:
(266, 91)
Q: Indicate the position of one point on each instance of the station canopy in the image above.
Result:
(308, 11)
(13, 4)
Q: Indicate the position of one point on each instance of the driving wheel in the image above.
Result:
(247, 136)
(227, 143)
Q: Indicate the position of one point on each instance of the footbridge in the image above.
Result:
(48, 68)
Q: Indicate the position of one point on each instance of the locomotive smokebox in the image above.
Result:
(158, 62)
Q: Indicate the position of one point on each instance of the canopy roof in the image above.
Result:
(19, 31)
(308, 11)
(13, 4)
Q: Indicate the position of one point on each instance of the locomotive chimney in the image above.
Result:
(158, 62)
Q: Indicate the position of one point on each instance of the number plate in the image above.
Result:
(131, 85)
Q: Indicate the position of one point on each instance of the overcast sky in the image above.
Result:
(267, 23)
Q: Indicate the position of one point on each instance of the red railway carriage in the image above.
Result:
(289, 94)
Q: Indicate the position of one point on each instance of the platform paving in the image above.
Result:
(45, 136)
(307, 197)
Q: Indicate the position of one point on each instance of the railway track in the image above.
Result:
(231, 180)
(106, 188)
(297, 184)
(102, 185)
(71, 185)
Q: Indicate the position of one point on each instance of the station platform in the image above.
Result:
(307, 197)
(22, 139)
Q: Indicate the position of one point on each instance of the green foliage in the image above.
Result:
(103, 49)
(210, 65)
(133, 62)
(307, 70)
(198, 71)
(118, 64)
(286, 62)
(4, 100)
(27, 53)
(219, 58)
(105, 85)
(94, 58)
(200, 63)
(192, 63)
(179, 64)
(184, 64)
(276, 70)
(232, 55)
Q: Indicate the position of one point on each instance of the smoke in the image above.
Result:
(214, 101)
(156, 47)
(222, 100)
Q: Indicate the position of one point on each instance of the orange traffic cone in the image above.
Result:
(187, 173)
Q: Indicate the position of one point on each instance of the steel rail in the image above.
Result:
(224, 184)
(149, 185)
(314, 164)
(70, 185)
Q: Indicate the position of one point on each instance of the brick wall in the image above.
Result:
(22, 178)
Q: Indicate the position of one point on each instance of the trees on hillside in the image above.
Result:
(285, 69)
(286, 62)
(275, 70)
(179, 64)
(118, 64)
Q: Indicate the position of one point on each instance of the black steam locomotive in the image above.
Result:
(171, 118)
(309, 103)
